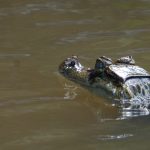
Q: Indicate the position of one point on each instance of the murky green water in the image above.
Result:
(41, 110)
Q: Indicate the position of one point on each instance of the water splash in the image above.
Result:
(139, 104)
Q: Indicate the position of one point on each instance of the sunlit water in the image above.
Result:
(39, 109)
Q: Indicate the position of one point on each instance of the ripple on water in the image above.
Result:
(67, 22)
(69, 94)
(31, 8)
(113, 137)
(84, 36)
(14, 55)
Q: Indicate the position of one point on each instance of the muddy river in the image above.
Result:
(40, 109)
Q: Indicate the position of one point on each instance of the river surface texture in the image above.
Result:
(40, 109)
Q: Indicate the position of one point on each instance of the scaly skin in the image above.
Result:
(117, 90)
(126, 82)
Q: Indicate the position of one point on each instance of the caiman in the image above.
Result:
(122, 78)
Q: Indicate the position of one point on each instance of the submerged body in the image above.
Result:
(122, 79)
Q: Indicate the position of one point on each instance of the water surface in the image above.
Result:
(41, 110)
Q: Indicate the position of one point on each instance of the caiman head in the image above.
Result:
(70, 63)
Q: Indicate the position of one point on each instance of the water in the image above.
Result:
(39, 109)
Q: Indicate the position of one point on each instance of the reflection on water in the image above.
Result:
(70, 92)
(138, 106)
(41, 110)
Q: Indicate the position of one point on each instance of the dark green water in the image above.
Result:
(41, 110)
